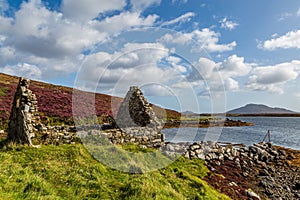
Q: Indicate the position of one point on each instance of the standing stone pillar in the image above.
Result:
(24, 117)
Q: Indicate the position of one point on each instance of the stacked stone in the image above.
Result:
(59, 135)
(138, 121)
(24, 119)
(142, 136)
(135, 111)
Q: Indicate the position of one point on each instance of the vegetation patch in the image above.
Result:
(70, 172)
(3, 91)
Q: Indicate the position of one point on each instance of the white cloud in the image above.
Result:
(54, 41)
(43, 33)
(179, 1)
(140, 5)
(25, 69)
(287, 41)
(85, 10)
(273, 78)
(156, 90)
(124, 21)
(205, 39)
(285, 16)
(5, 24)
(135, 63)
(3, 6)
(297, 95)
(220, 76)
(235, 66)
(181, 19)
(6, 54)
(229, 25)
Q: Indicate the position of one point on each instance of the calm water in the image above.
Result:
(285, 131)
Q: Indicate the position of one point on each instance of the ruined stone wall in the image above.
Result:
(135, 111)
(137, 121)
(24, 119)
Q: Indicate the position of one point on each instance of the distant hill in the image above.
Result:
(259, 109)
(189, 113)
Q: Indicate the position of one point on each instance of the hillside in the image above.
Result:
(55, 102)
(259, 109)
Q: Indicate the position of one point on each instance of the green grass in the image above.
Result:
(70, 172)
(3, 91)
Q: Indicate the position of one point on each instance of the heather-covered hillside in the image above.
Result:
(55, 102)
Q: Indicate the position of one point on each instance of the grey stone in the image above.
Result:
(24, 117)
(135, 111)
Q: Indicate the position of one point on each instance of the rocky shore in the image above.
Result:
(260, 171)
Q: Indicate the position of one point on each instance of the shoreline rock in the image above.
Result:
(271, 172)
(206, 123)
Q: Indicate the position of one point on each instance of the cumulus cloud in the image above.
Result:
(205, 39)
(156, 90)
(181, 19)
(55, 41)
(287, 41)
(179, 1)
(134, 64)
(3, 6)
(297, 95)
(235, 66)
(6, 54)
(25, 69)
(124, 21)
(220, 76)
(273, 78)
(85, 10)
(143, 4)
(43, 33)
(229, 25)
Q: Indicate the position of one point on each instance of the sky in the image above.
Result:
(198, 55)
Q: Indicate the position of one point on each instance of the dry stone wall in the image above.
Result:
(135, 111)
(25, 126)
(137, 122)
(24, 121)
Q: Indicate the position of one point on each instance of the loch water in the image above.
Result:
(285, 131)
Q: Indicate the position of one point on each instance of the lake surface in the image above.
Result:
(285, 131)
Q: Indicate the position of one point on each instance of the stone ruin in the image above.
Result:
(25, 126)
(135, 111)
(24, 120)
(137, 122)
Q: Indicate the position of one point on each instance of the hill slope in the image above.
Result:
(259, 109)
(55, 102)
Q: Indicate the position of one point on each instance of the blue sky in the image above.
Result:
(198, 55)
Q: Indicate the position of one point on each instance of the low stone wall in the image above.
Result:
(57, 135)
(139, 136)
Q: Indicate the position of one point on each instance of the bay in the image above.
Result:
(285, 131)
